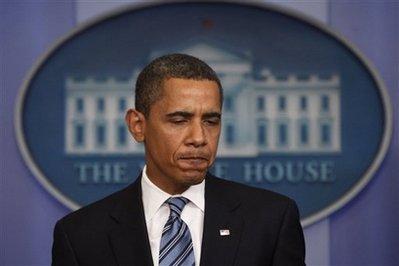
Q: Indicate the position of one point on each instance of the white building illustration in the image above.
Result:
(269, 114)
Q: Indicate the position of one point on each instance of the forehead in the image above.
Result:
(186, 93)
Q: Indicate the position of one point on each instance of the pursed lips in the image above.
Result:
(196, 156)
(195, 160)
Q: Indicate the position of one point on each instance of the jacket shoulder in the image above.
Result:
(246, 192)
(255, 202)
(94, 214)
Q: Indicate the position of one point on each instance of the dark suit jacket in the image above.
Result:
(264, 229)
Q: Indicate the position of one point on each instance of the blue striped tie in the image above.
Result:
(176, 246)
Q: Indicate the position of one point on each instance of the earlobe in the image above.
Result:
(135, 121)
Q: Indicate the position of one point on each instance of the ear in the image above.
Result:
(135, 121)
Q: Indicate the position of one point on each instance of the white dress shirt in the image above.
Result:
(156, 213)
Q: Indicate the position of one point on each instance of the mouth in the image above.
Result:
(190, 162)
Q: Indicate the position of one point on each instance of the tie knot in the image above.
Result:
(176, 205)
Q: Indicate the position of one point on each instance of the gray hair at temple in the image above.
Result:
(150, 81)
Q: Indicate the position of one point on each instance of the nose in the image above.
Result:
(197, 135)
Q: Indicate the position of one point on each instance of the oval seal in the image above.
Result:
(304, 113)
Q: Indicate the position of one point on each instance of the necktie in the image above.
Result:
(176, 245)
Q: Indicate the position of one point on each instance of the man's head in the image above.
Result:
(149, 84)
(178, 117)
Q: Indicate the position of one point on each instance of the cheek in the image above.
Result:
(214, 136)
(170, 143)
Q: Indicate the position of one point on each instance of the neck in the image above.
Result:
(168, 187)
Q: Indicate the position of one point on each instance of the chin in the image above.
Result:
(193, 177)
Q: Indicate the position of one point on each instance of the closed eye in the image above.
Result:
(212, 121)
(212, 118)
(178, 120)
(179, 117)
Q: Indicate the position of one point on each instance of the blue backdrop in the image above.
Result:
(364, 232)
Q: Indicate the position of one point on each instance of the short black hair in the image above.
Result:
(150, 81)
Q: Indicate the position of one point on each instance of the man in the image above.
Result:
(176, 213)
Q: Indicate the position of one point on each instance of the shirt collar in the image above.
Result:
(154, 197)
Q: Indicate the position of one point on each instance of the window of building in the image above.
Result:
(303, 103)
(282, 134)
(260, 103)
(100, 135)
(325, 103)
(79, 105)
(79, 136)
(100, 105)
(325, 136)
(122, 131)
(262, 133)
(228, 104)
(304, 133)
(282, 103)
(230, 134)
(122, 105)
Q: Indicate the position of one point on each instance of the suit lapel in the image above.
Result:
(128, 236)
(221, 213)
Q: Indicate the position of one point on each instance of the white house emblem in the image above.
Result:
(302, 115)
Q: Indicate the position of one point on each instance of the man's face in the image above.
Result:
(181, 133)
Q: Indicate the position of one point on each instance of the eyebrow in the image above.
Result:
(180, 113)
(212, 115)
(189, 114)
